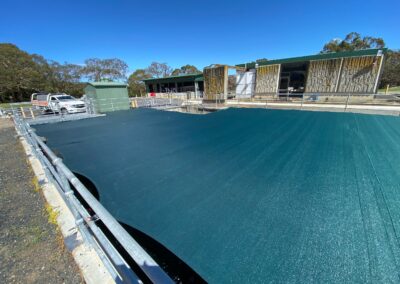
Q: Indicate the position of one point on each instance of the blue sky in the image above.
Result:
(190, 32)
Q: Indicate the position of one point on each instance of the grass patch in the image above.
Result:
(391, 89)
(52, 219)
(52, 214)
(9, 106)
(37, 234)
(35, 182)
(27, 236)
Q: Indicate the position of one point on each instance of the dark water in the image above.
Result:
(250, 195)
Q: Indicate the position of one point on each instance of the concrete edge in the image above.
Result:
(366, 109)
(87, 259)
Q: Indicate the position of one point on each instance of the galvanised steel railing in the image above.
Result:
(62, 176)
(150, 102)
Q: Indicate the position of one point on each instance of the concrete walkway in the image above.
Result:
(365, 108)
(31, 247)
(356, 108)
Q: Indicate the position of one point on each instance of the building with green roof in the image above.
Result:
(337, 73)
(108, 96)
(191, 85)
(356, 72)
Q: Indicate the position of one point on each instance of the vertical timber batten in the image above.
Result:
(339, 74)
(378, 76)
(278, 79)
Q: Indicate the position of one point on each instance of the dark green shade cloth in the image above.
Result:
(251, 195)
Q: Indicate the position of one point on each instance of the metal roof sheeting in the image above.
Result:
(178, 78)
(107, 84)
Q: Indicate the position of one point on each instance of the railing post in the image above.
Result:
(347, 102)
(111, 258)
(23, 113)
(32, 115)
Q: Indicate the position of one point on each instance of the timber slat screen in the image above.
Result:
(359, 74)
(215, 82)
(267, 79)
(323, 76)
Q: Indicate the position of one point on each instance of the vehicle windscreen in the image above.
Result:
(65, 98)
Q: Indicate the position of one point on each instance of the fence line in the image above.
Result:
(86, 222)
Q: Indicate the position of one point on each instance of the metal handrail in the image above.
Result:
(147, 264)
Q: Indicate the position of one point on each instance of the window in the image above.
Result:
(65, 98)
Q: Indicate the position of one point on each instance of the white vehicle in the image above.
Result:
(57, 103)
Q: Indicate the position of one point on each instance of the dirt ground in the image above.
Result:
(31, 248)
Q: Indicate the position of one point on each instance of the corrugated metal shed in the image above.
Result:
(108, 96)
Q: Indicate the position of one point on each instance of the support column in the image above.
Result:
(196, 88)
(378, 75)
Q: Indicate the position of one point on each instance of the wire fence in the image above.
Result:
(156, 102)
(377, 103)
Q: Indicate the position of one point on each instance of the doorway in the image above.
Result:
(293, 78)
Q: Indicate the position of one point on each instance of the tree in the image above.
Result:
(22, 73)
(136, 84)
(261, 60)
(104, 69)
(186, 69)
(391, 70)
(353, 41)
(19, 74)
(159, 70)
(231, 83)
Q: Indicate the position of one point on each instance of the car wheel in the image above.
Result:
(64, 111)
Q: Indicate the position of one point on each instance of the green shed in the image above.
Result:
(108, 96)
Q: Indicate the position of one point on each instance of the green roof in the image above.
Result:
(107, 84)
(321, 56)
(179, 78)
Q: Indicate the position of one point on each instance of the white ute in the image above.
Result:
(57, 103)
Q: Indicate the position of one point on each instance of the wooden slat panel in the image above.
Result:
(322, 76)
(215, 82)
(359, 74)
(267, 79)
